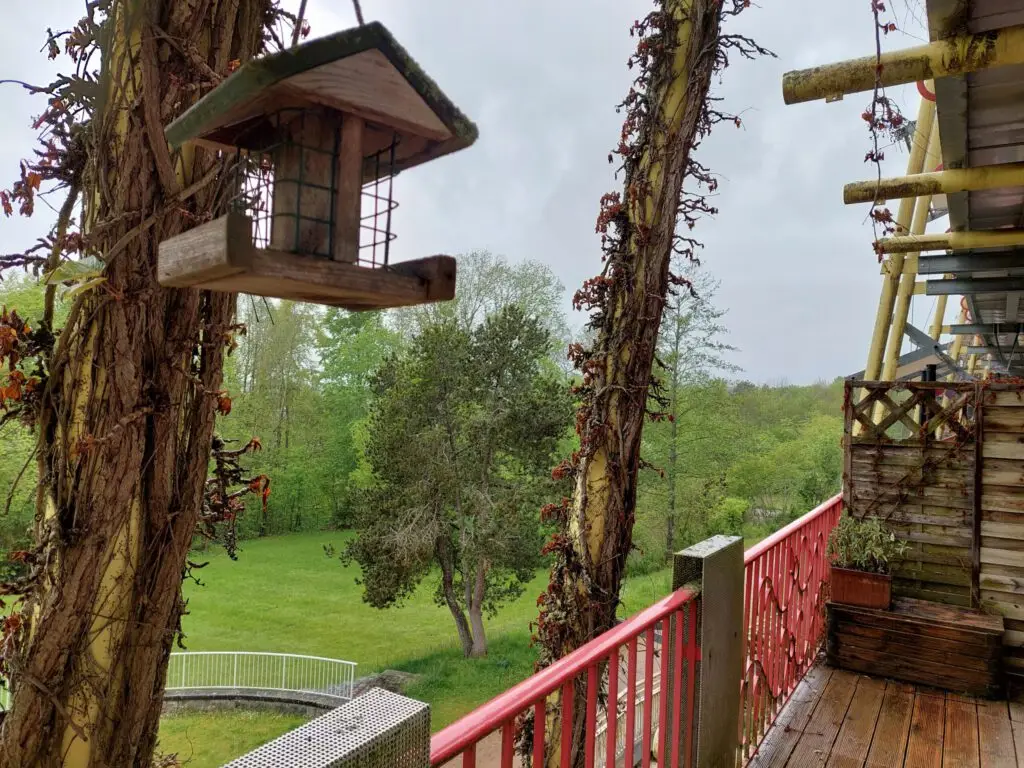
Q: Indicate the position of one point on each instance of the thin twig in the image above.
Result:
(63, 221)
(299, 21)
(14, 485)
(359, 12)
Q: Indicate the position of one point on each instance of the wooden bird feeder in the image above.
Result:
(318, 133)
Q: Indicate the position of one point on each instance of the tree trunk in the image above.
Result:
(445, 557)
(476, 612)
(128, 411)
(677, 57)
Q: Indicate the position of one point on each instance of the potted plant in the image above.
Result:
(861, 553)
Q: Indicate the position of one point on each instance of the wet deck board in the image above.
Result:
(844, 719)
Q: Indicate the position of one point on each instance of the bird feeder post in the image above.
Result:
(348, 201)
(303, 180)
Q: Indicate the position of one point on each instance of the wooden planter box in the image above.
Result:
(868, 590)
(956, 649)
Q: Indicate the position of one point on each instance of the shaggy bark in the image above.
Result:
(128, 411)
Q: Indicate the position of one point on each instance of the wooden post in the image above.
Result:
(956, 55)
(978, 489)
(348, 190)
(951, 241)
(716, 566)
(935, 183)
(303, 168)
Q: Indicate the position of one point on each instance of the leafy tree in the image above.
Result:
(690, 350)
(461, 433)
(488, 283)
(351, 347)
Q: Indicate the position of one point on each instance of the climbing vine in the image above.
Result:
(884, 121)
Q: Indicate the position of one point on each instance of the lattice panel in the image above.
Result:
(923, 409)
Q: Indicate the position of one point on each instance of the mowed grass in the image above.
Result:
(284, 595)
(208, 740)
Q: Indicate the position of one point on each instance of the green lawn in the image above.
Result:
(207, 740)
(284, 595)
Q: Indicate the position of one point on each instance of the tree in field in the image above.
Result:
(487, 283)
(351, 347)
(124, 397)
(462, 430)
(667, 113)
(273, 377)
(690, 350)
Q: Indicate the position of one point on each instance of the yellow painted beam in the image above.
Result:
(936, 183)
(955, 55)
(908, 284)
(951, 241)
(920, 288)
(893, 267)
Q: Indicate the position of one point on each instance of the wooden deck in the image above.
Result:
(838, 718)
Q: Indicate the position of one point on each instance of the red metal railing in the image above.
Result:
(628, 651)
(783, 614)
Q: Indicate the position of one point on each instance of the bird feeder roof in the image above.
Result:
(361, 71)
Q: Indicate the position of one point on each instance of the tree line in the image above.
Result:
(431, 432)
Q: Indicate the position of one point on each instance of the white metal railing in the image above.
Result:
(266, 671)
(601, 741)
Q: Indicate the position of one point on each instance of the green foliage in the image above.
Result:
(864, 545)
(461, 436)
(211, 739)
(729, 516)
(17, 469)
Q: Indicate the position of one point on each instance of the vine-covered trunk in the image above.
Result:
(128, 412)
(666, 114)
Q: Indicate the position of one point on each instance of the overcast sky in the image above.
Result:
(541, 79)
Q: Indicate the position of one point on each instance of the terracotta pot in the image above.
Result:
(868, 590)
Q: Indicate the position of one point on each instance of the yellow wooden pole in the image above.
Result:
(893, 267)
(935, 183)
(955, 55)
(905, 292)
(951, 241)
(958, 342)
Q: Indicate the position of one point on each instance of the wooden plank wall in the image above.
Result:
(924, 493)
(1002, 515)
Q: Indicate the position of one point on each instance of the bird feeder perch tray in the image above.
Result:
(317, 133)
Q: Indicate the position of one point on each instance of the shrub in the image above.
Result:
(863, 545)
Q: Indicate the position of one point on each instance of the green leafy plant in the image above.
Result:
(864, 545)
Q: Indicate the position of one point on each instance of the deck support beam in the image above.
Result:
(951, 241)
(965, 286)
(936, 183)
(957, 55)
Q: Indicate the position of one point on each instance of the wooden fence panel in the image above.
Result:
(943, 465)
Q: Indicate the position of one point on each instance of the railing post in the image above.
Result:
(715, 566)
